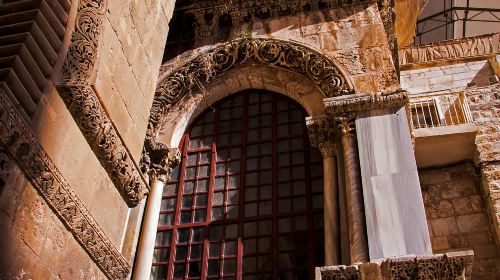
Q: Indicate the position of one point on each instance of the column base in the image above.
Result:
(453, 266)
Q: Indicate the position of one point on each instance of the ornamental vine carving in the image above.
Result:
(75, 88)
(80, 64)
(270, 52)
(103, 139)
(18, 141)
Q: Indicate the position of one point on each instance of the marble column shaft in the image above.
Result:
(147, 240)
(331, 210)
(354, 195)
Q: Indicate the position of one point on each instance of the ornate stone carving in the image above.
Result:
(450, 266)
(323, 135)
(80, 64)
(270, 52)
(75, 88)
(19, 142)
(364, 102)
(451, 49)
(209, 14)
(442, 266)
(339, 272)
(158, 160)
(105, 142)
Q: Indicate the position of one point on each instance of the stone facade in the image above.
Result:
(457, 216)
(90, 117)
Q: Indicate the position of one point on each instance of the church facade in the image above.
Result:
(223, 139)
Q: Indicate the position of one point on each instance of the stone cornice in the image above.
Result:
(455, 50)
(75, 88)
(211, 64)
(19, 142)
(364, 102)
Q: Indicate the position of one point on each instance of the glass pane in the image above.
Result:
(219, 183)
(160, 255)
(199, 215)
(230, 248)
(218, 198)
(201, 200)
(187, 202)
(229, 266)
(216, 233)
(190, 173)
(167, 204)
(231, 231)
(217, 214)
(183, 236)
(214, 250)
(233, 196)
(185, 217)
(195, 269)
(197, 234)
(232, 212)
(159, 272)
(179, 270)
(195, 252)
(180, 253)
(192, 159)
(188, 187)
(213, 268)
(163, 238)
(202, 186)
(204, 171)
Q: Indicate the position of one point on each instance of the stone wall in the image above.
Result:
(457, 216)
(484, 104)
(353, 36)
(34, 242)
(447, 78)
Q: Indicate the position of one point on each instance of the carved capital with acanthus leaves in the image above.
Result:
(322, 134)
(158, 160)
(344, 123)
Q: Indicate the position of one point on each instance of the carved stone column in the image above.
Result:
(321, 133)
(159, 174)
(354, 193)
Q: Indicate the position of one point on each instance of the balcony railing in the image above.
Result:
(438, 109)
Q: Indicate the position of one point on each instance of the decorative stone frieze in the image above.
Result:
(441, 266)
(451, 49)
(212, 15)
(158, 160)
(75, 88)
(339, 272)
(270, 52)
(19, 142)
(364, 102)
(457, 265)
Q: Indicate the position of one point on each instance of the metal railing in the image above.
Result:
(439, 109)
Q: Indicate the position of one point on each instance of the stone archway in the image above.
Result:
(209, 65)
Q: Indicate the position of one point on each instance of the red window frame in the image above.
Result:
(246, 195)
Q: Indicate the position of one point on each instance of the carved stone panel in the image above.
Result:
(18, 141)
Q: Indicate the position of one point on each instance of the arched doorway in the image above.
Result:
(247, 199)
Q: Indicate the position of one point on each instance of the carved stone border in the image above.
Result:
(75, 87)
(365, 102)
(22, 146)
(211, 64)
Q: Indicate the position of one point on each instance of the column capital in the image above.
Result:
(322, 134)
(360, 102)
(158, 160)
(344, 123)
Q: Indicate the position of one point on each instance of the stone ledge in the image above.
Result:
(454, 266)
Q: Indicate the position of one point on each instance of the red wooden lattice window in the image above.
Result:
(247, 200)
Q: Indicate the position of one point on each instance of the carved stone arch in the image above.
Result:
(215, 62)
